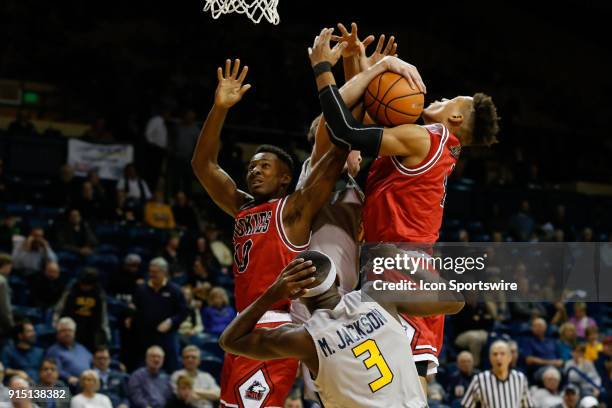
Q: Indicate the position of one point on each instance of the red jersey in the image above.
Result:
(261, 251)
(405, 204)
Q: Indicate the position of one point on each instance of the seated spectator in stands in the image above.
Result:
(593, 345)
(76, 235)
(6, 311)
(218, 314)
(149, 386)
(580, 319)
(200, 279)
(435, 391)
(219, 249)
(99, 190)
(89, 396)
(522, 224)
(31, 255)
(72, 358)
(523, 310)
(113, 383)
(160, 309)
(65, 188)
(136, 188)
(567, 340)
(205, 389)
(549, 292)
(183, 395)
(48, 377)
(47, 287)
(21, 396)
(184, 212)
(22, 357)
(204, 252)
(293, 400)
(85, 303)
(22, 125)
(192, 325)
(91, 208)
(158, 213)
(171, 254)
(124, 282)
(473, 324)
(579, 362)
(539, 350)
(460, 380)
(125, 211)
(514, 353)
(571, 397)
(548, 396)
(604, 363)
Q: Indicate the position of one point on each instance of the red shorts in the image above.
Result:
(247, 383)
(426, 335)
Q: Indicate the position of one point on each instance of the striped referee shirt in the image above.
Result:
(486, 391)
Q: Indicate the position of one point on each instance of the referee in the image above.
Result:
(498, 387)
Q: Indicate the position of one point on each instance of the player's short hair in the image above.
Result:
(280, 153)
(485, 120)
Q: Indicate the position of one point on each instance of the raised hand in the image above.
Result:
(230, 89)
(321, 50)
(352, 40)
(293, 280)
(408, 71)
(379, 53)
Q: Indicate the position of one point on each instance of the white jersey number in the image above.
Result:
(375, 359)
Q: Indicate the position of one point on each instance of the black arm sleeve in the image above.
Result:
(344, 130)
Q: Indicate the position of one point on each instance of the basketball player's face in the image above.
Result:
(440, 111)
(266, 175)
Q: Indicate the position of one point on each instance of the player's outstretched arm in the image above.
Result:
(219, 185)
(344, 130)
(240, 337)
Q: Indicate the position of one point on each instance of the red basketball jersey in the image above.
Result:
(405, 204)
(261, 251)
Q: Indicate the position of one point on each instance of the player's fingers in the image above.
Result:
(304, 282)
(228, 66)
(368, 40)
(244, 88)
(303, 274)
(298, 293)
(394, 50)
(300, 266)
(243, 74)
(354, 29)
(419, 81)
(236, 68)
(336, 38)
(343, 29)
(381, 42)
(220, 73)
(389, 46)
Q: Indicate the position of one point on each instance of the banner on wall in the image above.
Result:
(108, 159)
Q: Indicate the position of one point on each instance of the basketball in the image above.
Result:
(390, 100)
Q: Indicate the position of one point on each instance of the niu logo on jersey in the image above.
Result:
(455, 151)
(256, 391)
(256, 223)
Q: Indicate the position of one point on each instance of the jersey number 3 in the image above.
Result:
(374, 360)
(241, 255)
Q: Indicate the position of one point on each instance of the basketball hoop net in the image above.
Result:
(254, 9)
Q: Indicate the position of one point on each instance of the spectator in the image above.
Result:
(72, 358)
(524, 310)
(89, 396)
(204, 388)
(99, 190)
(435, 392)
(580, 319)
(184, 212)
(539, 350)
(183, 396)
(548, 396)
(514, 352)
(65, 187)
(571, 396)
(187, 133)
(218, 314)
(473, 324)
(204, 252)
(76, 235)
(125, 211)
(149, 386)
(6, 312)
(85, 303)
(604, 363)
(4, 392)
(156, 135)
(460, 380)
(171, 255)
(158, 214)
(113, 383)
(579, 362)
(31, 255)
(192, 325)
(91, 207)
(550, 291)
(160, 309)
(21, 357)
(124, 282)
(567, 340)
(593, 345)
(47, 288)
(200, 279)
(48, 375)
(21, 389)
(499, 392)
(522, 224)
(136, 189)
(293, 400)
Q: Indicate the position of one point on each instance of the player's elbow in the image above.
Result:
(225, 342)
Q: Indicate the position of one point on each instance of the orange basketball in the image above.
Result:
(390, 100)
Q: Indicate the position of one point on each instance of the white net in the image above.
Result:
(254, 9)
